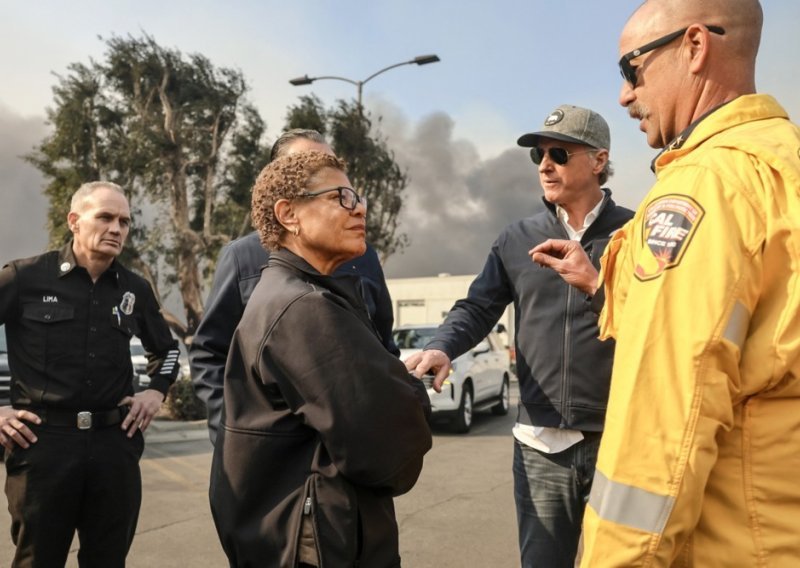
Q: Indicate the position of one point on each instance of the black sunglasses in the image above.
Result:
(348, 198)
(559, 155)
(628, 71)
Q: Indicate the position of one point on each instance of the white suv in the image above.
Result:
(141, 380)
(5, 374)
(479, 379)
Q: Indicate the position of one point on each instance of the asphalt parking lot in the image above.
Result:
(459, 515)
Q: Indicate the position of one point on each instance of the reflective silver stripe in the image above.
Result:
(630, 506)
(169, 362)
(736, 330)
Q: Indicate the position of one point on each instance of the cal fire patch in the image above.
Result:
(670, 223)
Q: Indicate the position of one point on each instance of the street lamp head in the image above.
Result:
(419, 60)
(304, 80)
(425, 59)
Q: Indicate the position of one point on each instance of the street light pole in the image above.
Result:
(419, 60)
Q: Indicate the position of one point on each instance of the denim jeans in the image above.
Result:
(551, 492)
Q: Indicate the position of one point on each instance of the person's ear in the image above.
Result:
(286, 214)
(698, 41)
(600, 161)
(72, 221)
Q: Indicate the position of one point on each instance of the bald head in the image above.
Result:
(741, 19)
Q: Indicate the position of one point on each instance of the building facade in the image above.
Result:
(428, 299)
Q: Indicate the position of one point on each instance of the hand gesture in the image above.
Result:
(143, 407)
(425, 361)
(570, 261)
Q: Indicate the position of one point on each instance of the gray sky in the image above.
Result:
(453, 125)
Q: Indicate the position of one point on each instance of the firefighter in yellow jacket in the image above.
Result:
(700, 459)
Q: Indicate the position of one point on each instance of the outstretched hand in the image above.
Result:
(569, 260)
(431, 360)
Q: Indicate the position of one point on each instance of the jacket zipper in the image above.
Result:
(565, 360)
(565, 337)
(307, 505)
(588, 236)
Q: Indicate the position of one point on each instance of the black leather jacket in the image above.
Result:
(564, 370)
(319, 422)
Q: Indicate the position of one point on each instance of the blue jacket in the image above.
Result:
(564, 370)
(238, 271)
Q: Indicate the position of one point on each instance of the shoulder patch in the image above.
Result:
(670, 223)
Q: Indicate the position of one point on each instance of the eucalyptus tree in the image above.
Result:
(179, 135)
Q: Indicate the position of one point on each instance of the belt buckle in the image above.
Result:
(84, 420)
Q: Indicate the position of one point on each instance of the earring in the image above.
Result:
(296, 231)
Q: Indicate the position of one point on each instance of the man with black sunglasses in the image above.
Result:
(699, 459)
(563, 369)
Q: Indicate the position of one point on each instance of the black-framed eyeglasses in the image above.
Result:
(559, 156)
(348, 198)
(628, 71)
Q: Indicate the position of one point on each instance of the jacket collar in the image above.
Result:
(605, 201)
(746, 108)
(287, 258)
(347, 285)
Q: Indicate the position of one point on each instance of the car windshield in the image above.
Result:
(414, 338)
(3, 346)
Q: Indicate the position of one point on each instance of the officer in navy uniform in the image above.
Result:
(73, 432)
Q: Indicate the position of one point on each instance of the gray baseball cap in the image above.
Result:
(571, 124)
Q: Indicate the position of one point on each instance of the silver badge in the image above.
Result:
(126, 305)
(65, 266)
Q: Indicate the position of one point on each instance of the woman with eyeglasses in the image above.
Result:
(321, 425)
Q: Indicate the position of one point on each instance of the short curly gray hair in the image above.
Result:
(285, 178)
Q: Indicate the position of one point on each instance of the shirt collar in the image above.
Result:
(590, 218)
(67, 262)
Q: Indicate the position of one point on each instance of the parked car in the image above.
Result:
(141, 380)
(479, 379)
(5, 374)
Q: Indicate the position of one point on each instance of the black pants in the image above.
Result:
(70, 479)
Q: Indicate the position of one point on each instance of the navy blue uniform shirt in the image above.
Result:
(69, 337)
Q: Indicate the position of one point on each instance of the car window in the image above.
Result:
(414, 338)
(137, 349)
(3, 346)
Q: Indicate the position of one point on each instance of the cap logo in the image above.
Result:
(554, 118)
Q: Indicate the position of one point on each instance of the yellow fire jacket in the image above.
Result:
(700, 459)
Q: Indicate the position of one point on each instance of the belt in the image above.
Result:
(82, 420)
